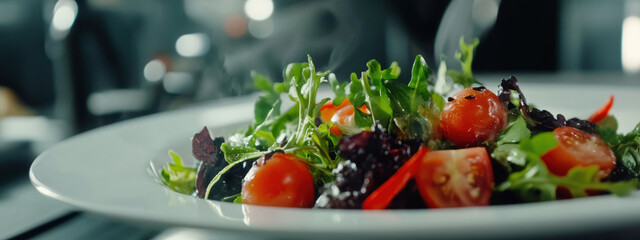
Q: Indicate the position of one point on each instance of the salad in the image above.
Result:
(442, 140)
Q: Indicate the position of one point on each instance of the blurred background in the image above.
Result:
(69, 66)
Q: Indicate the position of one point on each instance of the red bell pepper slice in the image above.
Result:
(381, 197)
(602, 112)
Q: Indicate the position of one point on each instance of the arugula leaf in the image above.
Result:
(376, 94)
(420, 73)
(370, 90)
(265, 104)
(239, 153)
(627, 151)
(509, 154)
(465, 56)
(232, 198)
(507, 151)
(178, 177)
(338, 89)
(438, 100)
(536, 183)
(262, 82)
(442, 86)
(357, 97)
(293, 72)
(516, 132)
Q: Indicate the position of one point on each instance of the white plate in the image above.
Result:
(105, 171)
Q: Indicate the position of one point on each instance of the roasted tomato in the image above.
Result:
(472, 116)
(456, 178)
(578, 148)
(281, 180)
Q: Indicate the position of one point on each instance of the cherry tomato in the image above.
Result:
(472, 116)
(342, 114)
(578, 148)
(456, 178)
(282, 181)
(328, 109)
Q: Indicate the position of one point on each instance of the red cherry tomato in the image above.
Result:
(328, 109)
(578, 148)
(281, 181)
(456, 178)
(472, 116)
(342, 114)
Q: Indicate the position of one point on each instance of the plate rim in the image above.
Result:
(131, 214)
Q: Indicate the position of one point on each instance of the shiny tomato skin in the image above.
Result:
(456, 178)
(282, 181)
(472, 116)
(343, 115)
(578, 148)
(328, 109)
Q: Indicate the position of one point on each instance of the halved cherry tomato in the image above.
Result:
(335, 130)
(282, 181)
(328, 109)
(456, 178)
(342, 114)
(602, 112)
(578, 148)
(381, 197)
(472, 116)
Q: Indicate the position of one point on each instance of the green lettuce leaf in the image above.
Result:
(178, 177)
(536, 183)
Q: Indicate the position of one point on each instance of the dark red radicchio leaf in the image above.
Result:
(208, 151)
(543, 119)
(371, 157)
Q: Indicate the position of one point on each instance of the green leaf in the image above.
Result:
(262, 82)
(539, 144)
(266, 139)
(516, 132)
(293, 72)
(420, 72)
(536, 183)
(266, 106)
(178, 177)
(465, 56)
(238, 199)
(609, 135)
(393, 72)
(376, 94)
(280, 87)
(438, 100)
(234, 154)
(625, 147)
(509, 154)
(363, 120)
(442, 86)
(231, 198)
(319, 104)
(282, 125)
(338, 89)
(403, 102)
